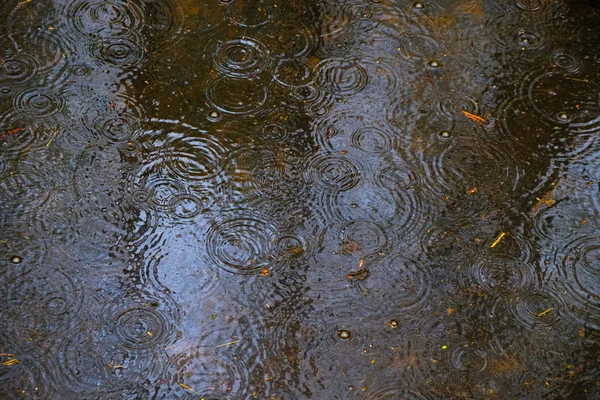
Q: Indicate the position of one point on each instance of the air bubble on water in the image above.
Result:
(343, 334)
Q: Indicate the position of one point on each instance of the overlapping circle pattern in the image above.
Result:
(233, 199)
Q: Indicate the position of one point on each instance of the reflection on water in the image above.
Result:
(303, 199)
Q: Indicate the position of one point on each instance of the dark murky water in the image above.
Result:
(299, 199)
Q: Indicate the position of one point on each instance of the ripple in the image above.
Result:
(124, 50)
(313, 99)
(39, 103)
(534, 310)
(452, 106)
(99, 216)
(236, 96)
(464, 357)
(41, 303)
(241, 244)
(22, 134)
(401, 176)
(90, 17)
(403, 283)
(365, 237)
(258, 175)
(342, 77)
(273, 132)
(209, 376)
(140, 321)
(251, 13)
(465, 162)
(165, 252)
(499, 275)
(208, 16)
(190, 153)
(293, 73)
(418, 48)
(117, 119)
(372, 140)
(28, 377)
(333, 19)
(392, 392)
(19, 68)
(334, 173)
(89, 364)
(292, 39)
(187, 206)
(566, 61)
(580, 266)
(343, 340)
(195, 158)
(360, 12)
(560, 100)
(295, 245)
(384, 77)
(413, 122)
(57, 292)
(159, 191)
(6, 90)
(241, 57)
(36, 53)
(528, 39)
(27, 186)
(530, 5)
(164, 21)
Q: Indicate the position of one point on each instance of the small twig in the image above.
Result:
(545, 312)
(227, 344)
(184, 99)
(498, 240)
(52, 138)
(474, 117)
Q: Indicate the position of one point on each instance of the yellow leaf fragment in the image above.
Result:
(545, 312)
(498, 240)
(229, 343)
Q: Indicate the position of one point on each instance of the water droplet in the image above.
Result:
(418, 5)
(392, 323)
(445, 134)
(563, 116)
(343, 334)
(213, 115)
(16, 260)
(434, 64)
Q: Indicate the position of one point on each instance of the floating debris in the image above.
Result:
(545, 312)
(360, 275)
(474, 117)
(498, 240)
(344, 335)
(230, 343)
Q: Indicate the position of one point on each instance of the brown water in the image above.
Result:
(315, 199)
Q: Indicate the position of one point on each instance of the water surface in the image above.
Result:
(247, 199)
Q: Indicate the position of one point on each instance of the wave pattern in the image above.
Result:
(257, 199)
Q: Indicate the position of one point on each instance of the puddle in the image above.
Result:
(250, 199)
